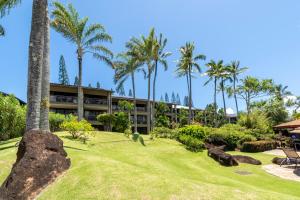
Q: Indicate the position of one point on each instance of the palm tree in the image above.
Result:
(126, 67)
(281, 92)
(145, 48)
(86, 38)
(186, 66)
(224, 76)
(5, 7)
(2, 31)
(214, 71)
(235, 70)
(159, 57)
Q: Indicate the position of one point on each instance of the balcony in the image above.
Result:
(63, 99)
(95, 101)
(141, 109)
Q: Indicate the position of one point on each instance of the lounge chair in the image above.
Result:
(291, 156)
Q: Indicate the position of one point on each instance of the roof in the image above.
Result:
(138, 99)
(291, 124)
(83, 87)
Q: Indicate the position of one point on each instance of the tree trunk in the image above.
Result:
(215, 102)
(235, 98)
(35, 63)
(148, 100)
(190, 96)
(44, 115)
(154, 85)
(224, 101)
(134, 102)
(80, 91)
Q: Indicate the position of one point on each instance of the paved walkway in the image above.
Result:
(277, 152)
(285, 172)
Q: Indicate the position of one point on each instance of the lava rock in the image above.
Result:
(246, 159)
(223, 158)
(41, 158)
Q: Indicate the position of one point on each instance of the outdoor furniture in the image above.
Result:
(291, 155)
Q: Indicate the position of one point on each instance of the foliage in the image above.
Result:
(194, 131)
(183, 117)
(125, 106)
(107, 120)
(56, 119)
(12, 117)
(76, 81)
(63, 74)
(161, 118)
(77, 129)
(163, 132)
(257, 121)
(208, 117)
(121, 122)
(167, 98)
(258, 146)
(191, 143)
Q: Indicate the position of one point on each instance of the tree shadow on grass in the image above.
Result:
(74, 148)
(8, 147)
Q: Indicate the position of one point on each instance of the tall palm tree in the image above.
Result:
(126, 67)
(281, 92)
(159, 58)
(213, 72)
(186, 66)
(145, 46)
(224, 76)
(2, 31)
(87, 39)
(235, 70)
(5, 7)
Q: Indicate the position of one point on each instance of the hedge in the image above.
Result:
(258, 146)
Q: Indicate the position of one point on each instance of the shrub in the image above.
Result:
(107, 120)
(56, 119)
(191, 143)
(163, 132)
(12, 118)
(77, 129)
(195, 131)
(121, 122)
(258, 146)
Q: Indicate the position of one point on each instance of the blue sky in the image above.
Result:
(263, 35)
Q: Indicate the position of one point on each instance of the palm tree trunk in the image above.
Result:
(44, 115)
(134, 102)
(190, 96)
(154, 84)
(215, 102)
(35, 63)
(80, 91)
(223, 95)
(235, 98)
(148, 100)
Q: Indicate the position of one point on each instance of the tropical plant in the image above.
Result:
(162, 119)
(106, 120)
(77, 129)
(126, 106)
(235, 70)
(214, 73)
(5, 7)
(87, 39)
(281, 92)
(224, 76)
(186, 66)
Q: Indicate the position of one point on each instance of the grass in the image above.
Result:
(112, 167)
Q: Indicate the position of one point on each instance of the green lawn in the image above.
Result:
(112, 167)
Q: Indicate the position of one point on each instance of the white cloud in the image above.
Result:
(230, 111)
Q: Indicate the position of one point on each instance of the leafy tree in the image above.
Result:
(162, 119)
(183, 116)
(186, 66)
(235, 70)
(121, 122)
(107, 120)
(281, 92)
(126, 106)
(178, 101)
(87, 39)
(224, 76)
(167, 98)
(130, 93)
(98, 85)
(76, 81)
(63, 74)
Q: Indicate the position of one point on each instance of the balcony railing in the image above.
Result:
(63, 99)
(141, 109)
(95, 101)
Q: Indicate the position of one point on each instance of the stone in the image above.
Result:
(41, 158)
(223, 158)
(246, 159)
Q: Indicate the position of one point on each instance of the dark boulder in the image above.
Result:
(223, 158)
(40, 160)
(246, 159)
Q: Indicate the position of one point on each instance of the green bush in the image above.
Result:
(121, 122)
(230, 135)
(56, 119)
(106, 120)
(163, 132)
(258, 146)
(191, 143)
(195, 131)
(12, 118)
(77, 129)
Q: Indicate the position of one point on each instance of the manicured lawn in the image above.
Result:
(112, 167)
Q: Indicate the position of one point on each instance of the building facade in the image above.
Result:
(63, 100)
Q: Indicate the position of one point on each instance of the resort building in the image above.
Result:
(63, 100)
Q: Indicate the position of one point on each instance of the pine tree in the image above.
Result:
(90, 85)
(178, 101)
(173, 100)
(98, 85)
(186, 101)
(76, 81)
(121, 91)
(130, 93)
(63, 74)
(161, 99)
(167, 98)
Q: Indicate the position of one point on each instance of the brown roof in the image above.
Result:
(292, 124)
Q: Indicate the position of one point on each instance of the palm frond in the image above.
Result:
(7, 5)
